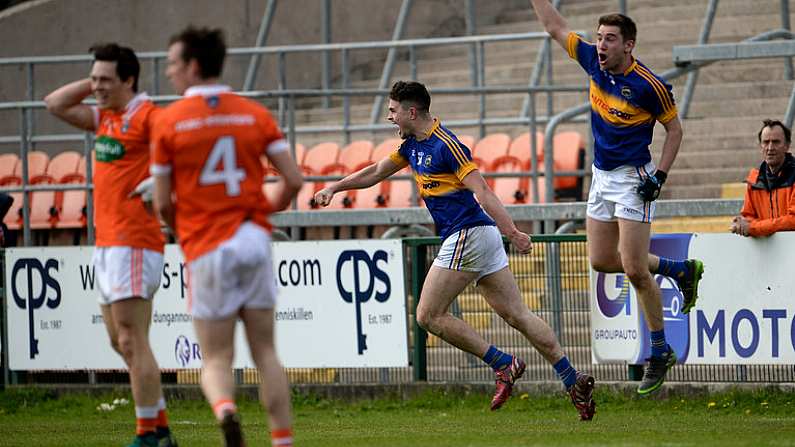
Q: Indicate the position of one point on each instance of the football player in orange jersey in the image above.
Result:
(128, 257)
(206, 150)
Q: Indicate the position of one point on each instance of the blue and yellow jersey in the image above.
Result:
(439, 163)
(624, 108)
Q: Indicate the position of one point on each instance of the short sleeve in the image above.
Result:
(274, 138)
(582, 52)
(457, 158)
(161, 152)
(400, 155)
(659, 99)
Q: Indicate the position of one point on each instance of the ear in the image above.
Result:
(412, 112)
(193, 68)
(629, 45)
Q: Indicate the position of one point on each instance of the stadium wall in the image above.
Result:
(55, 27)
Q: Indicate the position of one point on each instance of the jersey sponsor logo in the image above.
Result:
(428, 160)
(431, 185)
(604, 106)
(38, 288)
(109, 149)
(357, 285)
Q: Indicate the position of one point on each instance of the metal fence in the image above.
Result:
(554, 284)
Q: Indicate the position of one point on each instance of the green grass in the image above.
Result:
(32, 417)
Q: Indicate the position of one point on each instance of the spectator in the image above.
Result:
(769, 204)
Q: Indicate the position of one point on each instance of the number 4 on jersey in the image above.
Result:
(228, 174)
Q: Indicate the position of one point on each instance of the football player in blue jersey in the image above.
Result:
(627, 99)
(472, 250)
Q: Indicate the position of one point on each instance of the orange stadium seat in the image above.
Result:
(520, 147)
(72, 210)
(356, 155)
(400, 192)
(37, 166)
(569, 151)
(372, 197)
(13, 219)
(63, 165)
(320, 156)
(43, 213)
(491, 147)
(510, 190)
(385, 148)
(8, 164)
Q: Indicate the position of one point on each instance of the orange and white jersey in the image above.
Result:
(121, 152)
(210, 143)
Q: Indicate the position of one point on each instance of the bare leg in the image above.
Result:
(603, 248)
(502, 293)
(216, 338)
(441, 287)
(274, 389)
(130, 318)
(634, 249)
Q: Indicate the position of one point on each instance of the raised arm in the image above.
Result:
(363, 178)
(67, 104)
(553, 22)
(492, 205)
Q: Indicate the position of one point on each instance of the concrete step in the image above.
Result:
(717, 159)
(698, 191)
(697, 176)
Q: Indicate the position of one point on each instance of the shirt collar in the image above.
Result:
(207, 90)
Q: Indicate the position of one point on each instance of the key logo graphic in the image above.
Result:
(33, 290)
(357, 275)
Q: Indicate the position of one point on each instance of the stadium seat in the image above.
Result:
(12, 219)
(491, 147)
(520, 147)
(569, 150)
(320, 156)
(372, 197)
(510, 190)
(63, 165)
(72, 211)
(356, 155)
(8, 164)
(43, 213)
(385, 148)
(299, 156)
(400, 193)
(37, 166)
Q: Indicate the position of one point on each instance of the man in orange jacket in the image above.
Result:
(770, 195)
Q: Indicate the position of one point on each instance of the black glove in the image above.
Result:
(650, 188)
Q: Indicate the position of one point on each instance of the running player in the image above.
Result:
(206, 150)
(129, 244)
(626, 101)
(472, 248)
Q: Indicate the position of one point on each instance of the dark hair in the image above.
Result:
(411, 92)
(772, 123)
(126, 61)
(206, 46)
(627, 27)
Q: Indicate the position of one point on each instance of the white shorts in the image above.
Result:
(614, 194)
(126, 272)
(237, 274)
(476, 249)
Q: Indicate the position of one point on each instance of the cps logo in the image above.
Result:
(35, 291)
(185, 351)
(611, 303)
(364, 271)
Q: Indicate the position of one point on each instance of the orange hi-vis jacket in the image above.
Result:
(770, 199)
(122, 161)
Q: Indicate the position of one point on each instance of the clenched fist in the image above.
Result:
(323, 197)
(522, 241)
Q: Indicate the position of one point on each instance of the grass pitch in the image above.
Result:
(35, 417)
